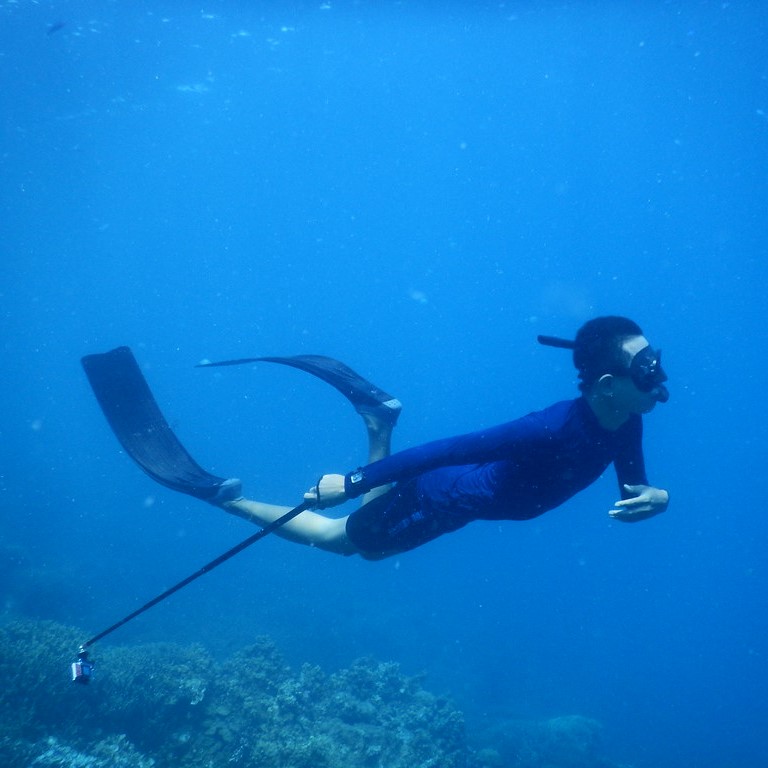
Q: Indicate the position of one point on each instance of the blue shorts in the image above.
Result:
(394, 522)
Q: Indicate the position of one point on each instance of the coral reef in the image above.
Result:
(112, 752)
(169, 705)
(34, 660)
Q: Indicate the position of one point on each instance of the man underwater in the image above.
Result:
(514, 471)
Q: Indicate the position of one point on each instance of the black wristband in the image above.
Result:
(353, 483)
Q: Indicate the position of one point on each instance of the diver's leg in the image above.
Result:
(379, 446)
(310, 528)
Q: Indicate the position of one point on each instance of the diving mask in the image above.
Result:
(645, 369)
(647, 374)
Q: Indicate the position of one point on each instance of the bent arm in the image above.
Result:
(629, 461)
(639, 500)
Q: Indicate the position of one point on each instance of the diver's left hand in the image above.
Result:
(646, 501)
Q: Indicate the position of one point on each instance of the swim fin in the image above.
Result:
(366, 397)
(141, 428)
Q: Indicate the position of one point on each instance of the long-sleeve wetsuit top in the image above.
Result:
(513, 471)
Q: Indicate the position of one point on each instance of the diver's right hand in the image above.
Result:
(329, 492)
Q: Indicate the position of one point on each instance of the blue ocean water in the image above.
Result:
(418, 189)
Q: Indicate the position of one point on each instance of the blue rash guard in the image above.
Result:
(514, 471)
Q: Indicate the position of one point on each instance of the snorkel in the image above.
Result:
(645, 369)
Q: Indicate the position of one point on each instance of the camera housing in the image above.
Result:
(82, 669)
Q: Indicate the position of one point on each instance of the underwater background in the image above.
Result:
(417, 189)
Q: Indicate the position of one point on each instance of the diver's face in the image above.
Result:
(643, 386)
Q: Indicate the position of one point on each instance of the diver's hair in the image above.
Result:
(597, 348)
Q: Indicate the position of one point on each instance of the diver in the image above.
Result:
(515, 471)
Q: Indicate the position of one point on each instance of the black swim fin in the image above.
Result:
(141, 428)
(366, 397)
